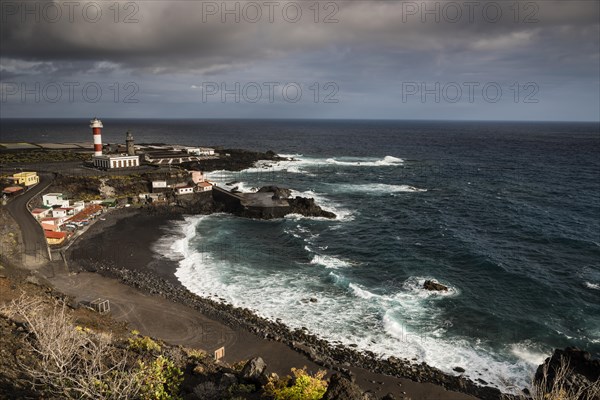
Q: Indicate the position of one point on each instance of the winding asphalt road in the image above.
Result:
(35, 252)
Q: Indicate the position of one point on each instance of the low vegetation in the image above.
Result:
(555, 384)
(302, 386)
(39, 156)
(74, 362)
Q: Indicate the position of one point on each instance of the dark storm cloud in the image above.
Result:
(373, 45)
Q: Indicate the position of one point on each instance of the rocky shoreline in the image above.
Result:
(332, 356)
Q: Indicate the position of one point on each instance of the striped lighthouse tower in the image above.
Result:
(96, 126)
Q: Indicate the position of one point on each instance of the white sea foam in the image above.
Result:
(175, 246)
(329, 261)
(377, 188)
(367, 162)
(591, 285)
(298, 164)
(387, 324)
(361, 292)
(528, 353)
(342, 214)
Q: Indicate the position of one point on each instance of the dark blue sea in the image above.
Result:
(507, 215)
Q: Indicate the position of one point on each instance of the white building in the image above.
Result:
(197, 176)
(159, 186)
(107, 161)
(200, 151)
(78, 206)
(184, 190)
(55, 199)
(62, 212)
(204, 186)
(39, 213)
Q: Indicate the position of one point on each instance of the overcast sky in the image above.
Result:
(502, 60)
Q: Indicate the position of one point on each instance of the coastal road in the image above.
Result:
(35, 251)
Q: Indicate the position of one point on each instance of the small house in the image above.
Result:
(197, 176)
(55, 237)
(26, 178)
(78, 206)
(12, 190)
(184, 190)
(204, 186)
(51, 224)
(39, 213)
(60, 212)
(55, 199)
(159, 186)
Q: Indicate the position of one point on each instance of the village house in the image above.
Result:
(184, 190)
(12, 190)
(55, 238)
(62, 212)
(204, 186)
(51, 224)
(55, 199)
(83, 217)
(26, 178)
(39, 213)
(78, 206)
(159, 186)
(197, 176)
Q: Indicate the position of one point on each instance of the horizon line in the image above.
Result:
(300, 119)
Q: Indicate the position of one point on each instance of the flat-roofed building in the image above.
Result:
(26, 178)
(39, 213)
(116, 161)
(62, 212)
(197, 176)
(51, 224)
(55, 199)
(184, 190)
(159, 186)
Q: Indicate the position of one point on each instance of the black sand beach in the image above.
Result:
(120, 246)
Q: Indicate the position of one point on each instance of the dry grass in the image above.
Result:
(67, 361)
(554, 385)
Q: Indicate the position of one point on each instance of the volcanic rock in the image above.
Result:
(340, 388)
(308, 207)
(434, 286)
(583, 370)
(254, 371)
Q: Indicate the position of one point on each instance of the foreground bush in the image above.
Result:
(70, 362)
(302, 386)
(556, 384)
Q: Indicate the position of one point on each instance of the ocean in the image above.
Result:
(504, 214)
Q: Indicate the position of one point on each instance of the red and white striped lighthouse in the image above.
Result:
(96, 126)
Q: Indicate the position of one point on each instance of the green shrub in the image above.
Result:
(302, 387)
(142, 344)
(160, 379)
(195, 354)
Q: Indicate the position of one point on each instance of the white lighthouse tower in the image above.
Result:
(97, 126)
(111, 161)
